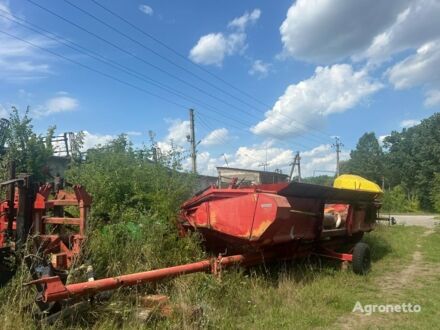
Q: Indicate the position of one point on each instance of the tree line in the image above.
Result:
(406, 164)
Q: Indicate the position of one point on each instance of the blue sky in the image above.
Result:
(297, 73)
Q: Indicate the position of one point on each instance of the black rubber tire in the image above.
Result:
(361, 258)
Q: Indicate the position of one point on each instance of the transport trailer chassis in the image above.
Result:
(253, 225)
(54, 290)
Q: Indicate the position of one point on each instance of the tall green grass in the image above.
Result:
(298, 294)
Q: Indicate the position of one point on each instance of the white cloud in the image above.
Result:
(146, 9)
(409, 123)
(243, 21)
(381, 139)
(330, 90)
(55, 105)
(320, 160)
(317, 161)
(420, 69)
(259, 68)
(61, 104)
(212, 48)
(375, 32)
(92, 140)
(20, 61)
(330, 30)
(178, 131)
(417, 69)
(206, 164)
(3, 112)
(217, 136)
(432, 98)
(6, 11)
(24, 94)
(134, 133)
(416, 25)
(253, 157)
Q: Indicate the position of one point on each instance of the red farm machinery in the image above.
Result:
(253, 225)
(43, 225)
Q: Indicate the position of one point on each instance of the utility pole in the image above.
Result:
(265, 164)
(226, 160)
(192, 140)
(296, 162)
(337, 145)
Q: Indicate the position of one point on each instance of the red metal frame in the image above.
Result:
(250, 225)
(328, 253)
(55, 290)
(4, 207)
(63, 251)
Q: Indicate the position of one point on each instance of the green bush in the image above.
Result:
(121, 179)
(29, 151)
(398, 200)
(435, 192)
(135, 204)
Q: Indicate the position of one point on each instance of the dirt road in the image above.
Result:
(428, 221)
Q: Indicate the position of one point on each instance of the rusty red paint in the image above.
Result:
(62, 251)
(249, 225)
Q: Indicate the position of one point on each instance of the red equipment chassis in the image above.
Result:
(253, 225)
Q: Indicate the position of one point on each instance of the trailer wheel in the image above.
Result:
(361, 258)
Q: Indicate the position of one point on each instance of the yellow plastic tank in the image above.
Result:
(356, 182)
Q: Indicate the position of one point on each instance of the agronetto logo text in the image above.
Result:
(387, 308)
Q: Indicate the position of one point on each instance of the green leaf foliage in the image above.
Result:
(408, 161)
(29, 151)
(435, 193)
(367, 160)
(413, 158)
(121, 178)
(136, 198)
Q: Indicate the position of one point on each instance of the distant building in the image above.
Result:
(247, 177)
(204, 181)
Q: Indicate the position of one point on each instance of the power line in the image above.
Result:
(177, 53)
(210, 129)
(246, 131)
(113, 64)
(94, 70)
(163, 44)
(152, 50)
(224, 122)
(140, 58)
(150, 64)
(101, 59)
(107, 76)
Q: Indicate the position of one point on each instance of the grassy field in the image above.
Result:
(406, 269)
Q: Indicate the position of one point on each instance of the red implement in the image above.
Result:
(254, 225)
(260, 217)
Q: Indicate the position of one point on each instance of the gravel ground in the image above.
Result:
(427, 221)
